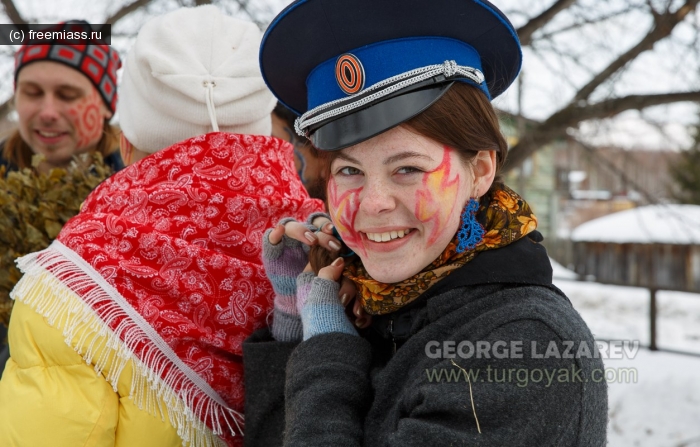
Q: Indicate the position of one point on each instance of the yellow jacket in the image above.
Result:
(51, 396)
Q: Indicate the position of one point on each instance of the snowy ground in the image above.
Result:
(662, 409)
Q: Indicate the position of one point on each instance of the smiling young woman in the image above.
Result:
(401, 183)
(434, 162)
(444, 252)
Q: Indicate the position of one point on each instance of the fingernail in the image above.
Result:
(338, 262)
(310, 236)
(330, 226)
(334, 245)
(358, 311)
(359, 322)
(344, 299)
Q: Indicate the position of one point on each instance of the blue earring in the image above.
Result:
(471, 232)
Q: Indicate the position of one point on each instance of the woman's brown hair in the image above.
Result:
(17, 152)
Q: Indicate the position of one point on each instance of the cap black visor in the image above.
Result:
(360, 125)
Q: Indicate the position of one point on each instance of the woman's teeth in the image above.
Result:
(389, 235)
(49, 134)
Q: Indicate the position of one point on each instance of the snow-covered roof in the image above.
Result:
(653, 224)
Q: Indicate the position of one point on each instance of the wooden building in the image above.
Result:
(656, 247)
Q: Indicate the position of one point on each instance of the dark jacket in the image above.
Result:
(343, 390)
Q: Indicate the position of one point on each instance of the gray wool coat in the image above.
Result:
(493, 355)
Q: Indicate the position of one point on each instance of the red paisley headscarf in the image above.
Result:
(167, 253)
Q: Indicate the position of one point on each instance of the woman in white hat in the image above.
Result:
(470, 343)
(127, 330)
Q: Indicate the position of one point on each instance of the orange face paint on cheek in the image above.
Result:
(343, 207)
(436, 199)
(87, 119)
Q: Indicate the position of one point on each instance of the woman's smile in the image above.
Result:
(386, 242)
(386, 236)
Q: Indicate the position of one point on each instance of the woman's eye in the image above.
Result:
(408, 170)
(349, 170)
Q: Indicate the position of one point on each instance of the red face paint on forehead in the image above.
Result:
(343, 209)
(87, 119)
(436, 199)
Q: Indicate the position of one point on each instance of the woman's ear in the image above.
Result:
(484, 168)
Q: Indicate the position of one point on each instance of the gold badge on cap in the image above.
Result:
(350, 73)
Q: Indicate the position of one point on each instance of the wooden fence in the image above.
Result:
(651, 266)
(657, 266)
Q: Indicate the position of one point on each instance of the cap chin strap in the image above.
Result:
(449, 71)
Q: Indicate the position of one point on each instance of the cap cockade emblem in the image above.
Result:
(350, 74)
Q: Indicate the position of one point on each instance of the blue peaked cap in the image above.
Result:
(355, 68)
(387, 59)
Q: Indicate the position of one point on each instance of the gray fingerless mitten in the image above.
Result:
(282, 263)
(321, 310)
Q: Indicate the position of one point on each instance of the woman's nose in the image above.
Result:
(377, 197)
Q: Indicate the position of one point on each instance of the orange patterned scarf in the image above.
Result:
(506, 219)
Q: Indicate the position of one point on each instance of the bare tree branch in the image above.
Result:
(607, 109)
(606, 163)
(202, 2)
(12, 13)
(126, 10)
(663, 26)
(562, 69)
(243, 6)
(525, 32)
(557, 125)
(585, 22)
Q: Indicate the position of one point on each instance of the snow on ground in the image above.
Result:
(662, 408)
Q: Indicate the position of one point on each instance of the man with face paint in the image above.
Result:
(65, 96)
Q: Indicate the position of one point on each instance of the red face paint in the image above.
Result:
(343, 209)
(87, 119)
(438, 189)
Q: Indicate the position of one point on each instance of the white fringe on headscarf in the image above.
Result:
(68, 305)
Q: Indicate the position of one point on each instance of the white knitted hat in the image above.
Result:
(190, 72)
